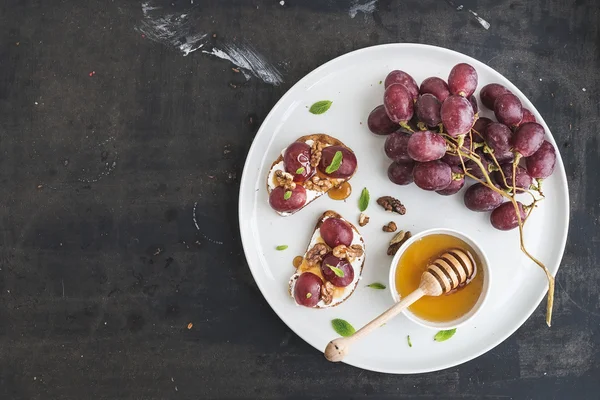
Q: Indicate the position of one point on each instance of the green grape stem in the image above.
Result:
(511, 197)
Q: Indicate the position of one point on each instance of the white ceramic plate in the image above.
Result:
(352, 82)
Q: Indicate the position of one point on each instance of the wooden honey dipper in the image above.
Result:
(452, 269)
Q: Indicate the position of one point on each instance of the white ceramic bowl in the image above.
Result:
(485, 288)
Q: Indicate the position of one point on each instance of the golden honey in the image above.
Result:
(341, 192)
(414, 262)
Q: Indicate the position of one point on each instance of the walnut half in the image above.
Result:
(315, 255)
(315, 153)
(390, 227)
(363, 219)
(317, 184)
(392, 204)
(285, 179)
(397, 242)
(349, 253)
(327, 292)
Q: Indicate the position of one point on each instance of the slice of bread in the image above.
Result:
(340, 294)
(312, 195)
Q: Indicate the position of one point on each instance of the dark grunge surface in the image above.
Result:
(109, 139)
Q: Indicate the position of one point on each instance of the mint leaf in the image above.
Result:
(376, 285)
(336, 162)
(363, 202)
(300, 171)
(336, 271)
(287, 195)
(442, 336)
(343, 328)
(408, 340)
(320, 107)
(282, 247)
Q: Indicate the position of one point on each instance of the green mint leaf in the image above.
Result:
(308, 295)
(376, 285)
(363, 202)
(320, 107)
(336, 162)
(300, 171)
(336, 271)
(442, 336)
(287, 195)
(380, 82)
(281, 247)
(408, 341)
(343, 328)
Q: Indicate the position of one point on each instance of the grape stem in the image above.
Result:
(511, 197)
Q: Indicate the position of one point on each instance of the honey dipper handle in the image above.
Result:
(337, 349)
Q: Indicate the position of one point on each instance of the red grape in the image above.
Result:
(432, 175)
(346, 169)
(481, 198)
(528, 138)
(541, 163)
(436, 86)
(473, 101)
(396, 146)
(405, 79)
(453, 159)
(489, 93)
(497, 136)
(398, 102)
(527, 116)
(458, 181)
(426, 146)
(428, 109)
(462, 80)
(506, 157)
(457, 115)
(508, 109)
(479, 127)
(505, 218)
(379, 123)
(278, 201)
(401, 173)
(307, 290)
(346, 270)
(522, 179)
(297, 158)
(335, 231)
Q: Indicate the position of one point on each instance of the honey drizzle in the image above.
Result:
(341, 192)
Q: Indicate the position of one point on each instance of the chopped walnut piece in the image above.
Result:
(350, 253)
(315, 153)
(397, 242)
(285, 179)
(315, 255)
(327, 292)
(390, 227)
(363, 219)
(318, 184)
(391, 204)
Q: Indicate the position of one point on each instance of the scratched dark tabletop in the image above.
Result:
(110, 138)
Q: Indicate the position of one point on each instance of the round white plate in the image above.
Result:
(352, 82)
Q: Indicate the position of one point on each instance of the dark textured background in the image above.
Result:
(101, 267)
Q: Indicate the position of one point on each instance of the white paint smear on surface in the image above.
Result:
(481, 21)
(171, 29)
(366, 8)
(246, 57)
(178, 31)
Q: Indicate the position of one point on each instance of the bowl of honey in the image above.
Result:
(449, 310)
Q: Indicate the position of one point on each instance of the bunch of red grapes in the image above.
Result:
(435, 139)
